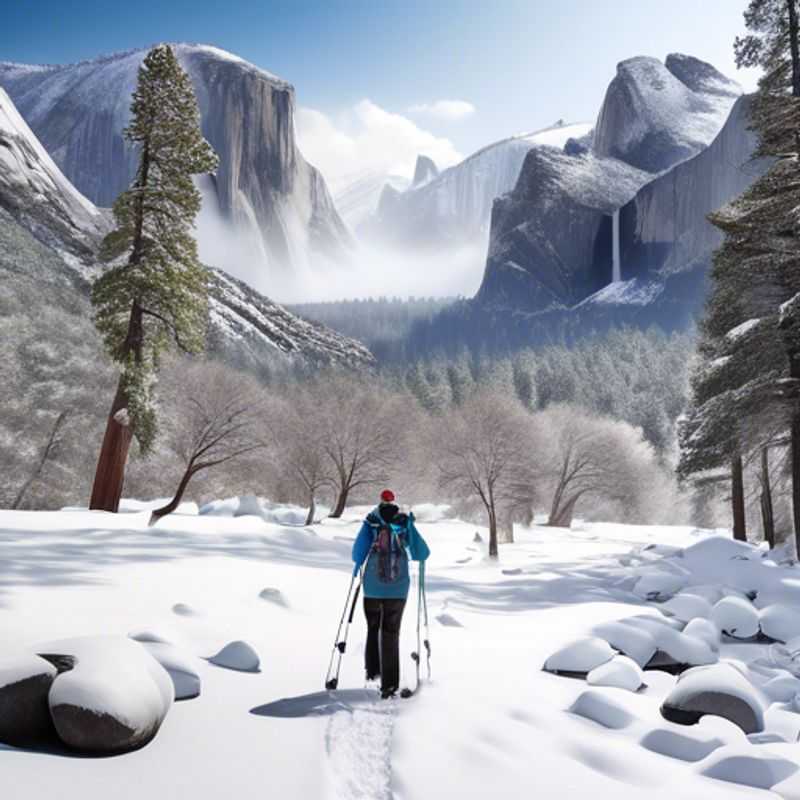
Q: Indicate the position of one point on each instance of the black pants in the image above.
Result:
(382, 656)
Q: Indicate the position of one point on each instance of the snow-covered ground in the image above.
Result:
(490, 723)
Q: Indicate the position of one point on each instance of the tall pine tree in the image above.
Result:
(158, 294)
(745, 390)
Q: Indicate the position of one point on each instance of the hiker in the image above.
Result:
(386, 541)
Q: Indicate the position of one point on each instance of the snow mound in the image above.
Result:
(736, 617)
(113, 699)
(780, 622)
(432, 512)
(758, 771)
(686, 606)
(181, 666)
(705, 630)
(448, 620)
(580, 657)
(683, 746)
(600, 708)
(659, 585)
(720, 689)
(635, 642)
(147, 636)
(239, 656)
(675, 648)
(621, 672)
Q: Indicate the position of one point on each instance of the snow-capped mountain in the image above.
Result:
(267, 209)
(456, 204)
(36, 198)
(33, 189)
(655, 115)
(357, 196)
(556, 238)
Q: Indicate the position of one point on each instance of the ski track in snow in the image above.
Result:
(358, 743)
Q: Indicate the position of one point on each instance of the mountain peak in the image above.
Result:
(424, 171)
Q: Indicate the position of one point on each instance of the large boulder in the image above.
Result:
(719, 689)
(736, 617)
(182, 667)
(25, 719)
(114, 698)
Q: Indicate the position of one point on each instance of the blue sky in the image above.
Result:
(520, 65)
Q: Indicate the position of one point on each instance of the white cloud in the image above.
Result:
(450, 110)
(367, 138)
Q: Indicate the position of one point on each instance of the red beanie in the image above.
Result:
(387, 496)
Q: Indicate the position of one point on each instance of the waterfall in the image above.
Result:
(616, 269)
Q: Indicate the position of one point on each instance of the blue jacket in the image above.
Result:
(416, 549)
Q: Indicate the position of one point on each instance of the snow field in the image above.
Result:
(490, 718)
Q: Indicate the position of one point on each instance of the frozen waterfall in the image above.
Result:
(616, 270)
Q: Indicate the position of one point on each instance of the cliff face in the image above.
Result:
(664, 229)
(670, 146)
(551, 236)
(265, 189)
(455, 205)
(49, 235)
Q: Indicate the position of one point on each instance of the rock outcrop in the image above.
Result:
(425, 171)
(267, 193)
(655, 115)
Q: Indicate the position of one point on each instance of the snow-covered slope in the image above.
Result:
(34, 189)
(268, 195)
(456, 205)
(656, 114)
(36, 198)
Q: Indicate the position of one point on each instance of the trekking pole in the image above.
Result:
(415, 654)
(340, 645)
(424, 596)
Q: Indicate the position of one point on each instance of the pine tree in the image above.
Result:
(158, 294)
(745, 390)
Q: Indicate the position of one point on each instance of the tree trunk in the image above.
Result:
(794, 46)
(737, 499)
(492, 533)
(341, 503)
(312, 509)
(795, 456)
(176, 500)
(109, 476)
(48, 449)
(767, 513)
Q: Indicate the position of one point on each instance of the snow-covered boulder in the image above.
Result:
(249, 505)
(780, 622)
(736, 616)
(705, 630)
(630, 639)
(580, 657)
(113, 699)
(719, 689)
(182, 668)
(621, 672)
(237, 655)
(25, 719)
(659, 585)
(676, 650)
(686, 606)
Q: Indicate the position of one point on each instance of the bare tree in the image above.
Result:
(304, 468)
(485, 452)
(213, 417)
(361, 427)
(590, 457)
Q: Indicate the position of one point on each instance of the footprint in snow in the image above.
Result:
(448, 621)
(273, 596)
(358, 743)
(184, 610)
